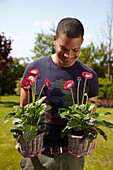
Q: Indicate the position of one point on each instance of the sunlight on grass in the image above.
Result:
(9, 157)
(102, 156)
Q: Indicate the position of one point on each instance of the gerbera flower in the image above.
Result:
(87, 75)
(68, 84)
(47, 83)
(26, 83)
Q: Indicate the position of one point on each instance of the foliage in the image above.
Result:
(105, 89)
(5, 58)
(96, 57)
(105, 103)
(10, 68)
(9, 77)
(43, 45)
(26, 120)
(82, 117)
(88, 55)
(7, 143)
(17, 89)
(5, 48)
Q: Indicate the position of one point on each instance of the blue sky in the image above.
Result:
(23, 19)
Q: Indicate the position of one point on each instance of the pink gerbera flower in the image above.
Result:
(26, 83)
(31, 77)
(68, 84)
(87, 75)
(47, 83)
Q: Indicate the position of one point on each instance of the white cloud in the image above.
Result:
(43, 24)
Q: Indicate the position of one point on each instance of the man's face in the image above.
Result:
(67, 49)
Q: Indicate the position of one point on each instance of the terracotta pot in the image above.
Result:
(33, 147)
(81, 145)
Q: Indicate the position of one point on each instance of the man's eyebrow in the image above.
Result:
(72, 49)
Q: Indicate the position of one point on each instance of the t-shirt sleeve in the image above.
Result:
(93, 86)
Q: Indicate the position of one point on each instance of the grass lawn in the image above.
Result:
(100, 159)
(9, 157)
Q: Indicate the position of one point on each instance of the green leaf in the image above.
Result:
(104, 113)
(16, 121)
(9, 116)
(73, 123)
(29, 132)
(102, 133)
(91, 106)
(103, 123)
(65, 114)
(108, 124)
(38, 102)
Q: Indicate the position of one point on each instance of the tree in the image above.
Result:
(5, 48)
(5, 59)
(44, 44)
(10, 76)
(88, 55)
(108, 34)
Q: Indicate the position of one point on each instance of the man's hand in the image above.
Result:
(29, 155)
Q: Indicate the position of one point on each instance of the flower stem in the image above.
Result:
(78, 92)
(28, 96)
(41, 91)
(72, 96)
(33, 94)
(84, 91)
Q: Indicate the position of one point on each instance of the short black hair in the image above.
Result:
(71, 27)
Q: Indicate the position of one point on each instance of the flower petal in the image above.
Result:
(26, 83)
(68, 84)
(87, 75)
(47, 83)
(33, 71)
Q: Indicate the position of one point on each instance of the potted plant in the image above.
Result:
(83, 121)
(26, 127)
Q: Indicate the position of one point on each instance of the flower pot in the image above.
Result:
(33, 147)
(81, 145)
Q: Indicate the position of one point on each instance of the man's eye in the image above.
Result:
(76, 50)
(64, 49)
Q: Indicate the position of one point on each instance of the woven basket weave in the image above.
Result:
(80, 145)
(32, 147)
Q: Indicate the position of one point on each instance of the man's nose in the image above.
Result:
(67, 54)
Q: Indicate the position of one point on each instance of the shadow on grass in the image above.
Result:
(8, 104)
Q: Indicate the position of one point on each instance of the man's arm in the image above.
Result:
(93, 99)
(23, 97)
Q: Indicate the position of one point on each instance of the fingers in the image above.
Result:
(27, 155)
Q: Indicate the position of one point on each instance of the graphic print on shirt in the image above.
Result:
(58, 97)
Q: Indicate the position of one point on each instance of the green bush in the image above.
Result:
(105, 89)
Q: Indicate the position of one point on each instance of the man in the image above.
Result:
(58, 68)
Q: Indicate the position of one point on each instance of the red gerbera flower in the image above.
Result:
(87, 75)
(31, 77)
(47, 83)
(26, 83)
(68, 84)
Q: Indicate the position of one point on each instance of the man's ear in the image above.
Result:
(82, 40)
(54, 39)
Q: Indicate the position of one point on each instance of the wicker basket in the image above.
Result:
(33, 147)
(80, 145)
